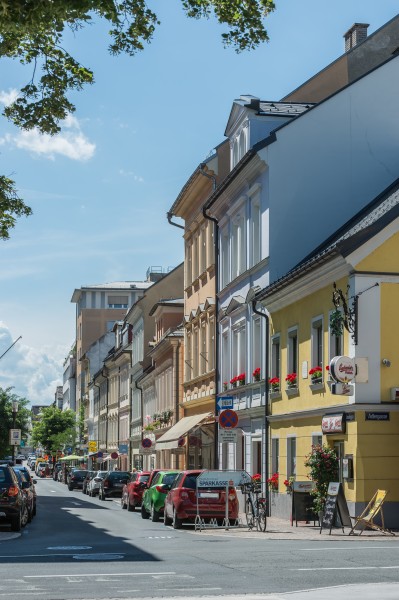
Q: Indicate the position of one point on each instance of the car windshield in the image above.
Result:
(190, 481)
(169, 478)
(119, 475)
(76, 472)
(144, 478)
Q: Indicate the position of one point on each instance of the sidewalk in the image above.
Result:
(279, 529)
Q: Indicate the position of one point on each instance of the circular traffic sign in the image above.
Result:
(114, 455)
(100, 454)
(228, 419)
(146, 443)
(181, 442)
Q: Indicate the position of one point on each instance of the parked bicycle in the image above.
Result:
(255, 506)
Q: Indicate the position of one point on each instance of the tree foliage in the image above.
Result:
(55, 429)
(32, 31)
(6, 419)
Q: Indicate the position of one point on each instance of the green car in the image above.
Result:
(154, 497)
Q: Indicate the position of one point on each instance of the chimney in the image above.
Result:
(355, 35)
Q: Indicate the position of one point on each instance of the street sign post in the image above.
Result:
(15, 437)
(224, 402)
(228, 419)
(228, 435)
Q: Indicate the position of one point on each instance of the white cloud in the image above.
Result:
(137, 178)
(9, 97)
(33, 373)
(71, 142)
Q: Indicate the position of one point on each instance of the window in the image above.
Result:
(275, 356)
(110, 325)
(211, 344)
(291, 457)
(203, 354)
(292, 349)
(238, 250)
(202, 255)
(195, 258)
(238, 349)
(117, 301)
(317, 439)
(188, 360)
(255, 230)
(187, 264)
(317, 342)
(195, 353)
(336, 343)
(226, 376)
(256, 345)
(224, 257)
(275, 455)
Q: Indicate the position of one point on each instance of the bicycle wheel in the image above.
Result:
(262, 517)
(249, 515)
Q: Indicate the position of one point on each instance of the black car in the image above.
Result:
(32, 483)
(76, 478)
(112, 484)
(13, 508)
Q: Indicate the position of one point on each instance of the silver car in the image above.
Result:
(94, 484)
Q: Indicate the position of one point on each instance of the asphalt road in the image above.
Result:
(81, 548)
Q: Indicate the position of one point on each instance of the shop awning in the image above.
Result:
(72, 457)
(169, 439)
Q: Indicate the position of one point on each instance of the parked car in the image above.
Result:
(90, 475)
(56, 470)
(26, 488)
(41, 468)
(154, 497)
(93, 486)
(76, 478)
(132, 493)
(13, 507)
(181, 501)
(32, 483)
(112, 484)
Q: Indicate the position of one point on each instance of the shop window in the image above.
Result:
(291, 457)
(336, 343)
(275, 455)
(317, 439)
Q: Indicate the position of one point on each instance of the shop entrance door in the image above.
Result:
(339, 449)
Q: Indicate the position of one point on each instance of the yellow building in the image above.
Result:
(359, 418)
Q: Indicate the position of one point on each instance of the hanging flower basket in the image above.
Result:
(316, 375)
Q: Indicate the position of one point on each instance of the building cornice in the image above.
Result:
(336, 408)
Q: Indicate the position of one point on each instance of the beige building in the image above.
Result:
(197, 427)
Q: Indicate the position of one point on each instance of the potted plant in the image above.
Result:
(316, 375)
(272, 482)
(233, 381)
(241, 379)
(225, 386)
(289, 484)
(257, 480)
(274, 383)
(292, 380)
(256, 374)
(323, 465)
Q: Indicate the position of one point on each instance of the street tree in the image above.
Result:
(7, 397)
(32, 33)
(54, 429)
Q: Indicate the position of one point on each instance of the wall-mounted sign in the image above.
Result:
(350, 417)
(343, 369)
(92, 446)
(333, 423)
(377, 416)
(123, 448)
(342, 389)
(228, 435)
(224, 402)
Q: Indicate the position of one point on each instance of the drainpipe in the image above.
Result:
(216, 242)
(267, 434)
(142, 421)
(169, 216)
(176, 352)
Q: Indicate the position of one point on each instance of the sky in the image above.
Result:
(100, 190)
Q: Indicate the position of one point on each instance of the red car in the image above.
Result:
(132, 493)
(181, 501)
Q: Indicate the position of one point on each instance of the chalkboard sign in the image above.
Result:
(302, 502)
(336, 513)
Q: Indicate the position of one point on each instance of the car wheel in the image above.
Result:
(154, 514)
(144, 513)
(166, 520)
(16, 523)
(70, 488)
(176, 522)
(102, 497)
(25, 516)
(34, 511)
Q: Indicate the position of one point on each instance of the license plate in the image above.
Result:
(208, 495)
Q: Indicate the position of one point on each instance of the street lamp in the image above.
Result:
(14, 416)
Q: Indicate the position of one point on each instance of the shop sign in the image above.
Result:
(343, 369)
(342, 389)
(377, 416)
(350, 417)
(333, 423)
(221, 478)
(123, 448)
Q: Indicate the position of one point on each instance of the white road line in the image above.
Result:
(343, 568)
(50, 555)
(98, 575)
(350, 548)
(197, 589)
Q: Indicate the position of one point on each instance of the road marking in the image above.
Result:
(205, 589)
(98, 575)
(69, 547)
(343, 568)
(99, 556)
(350, 548)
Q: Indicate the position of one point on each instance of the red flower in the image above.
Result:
(240, 377)
(256, 372)
(316, 371)
(291, 378)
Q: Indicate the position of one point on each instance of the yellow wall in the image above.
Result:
(389, 338)
(382, 259)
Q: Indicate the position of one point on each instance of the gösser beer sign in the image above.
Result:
(343, 369)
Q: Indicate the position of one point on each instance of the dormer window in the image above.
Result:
(239, 147)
